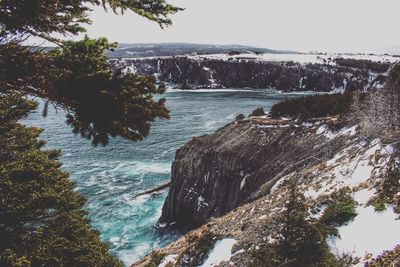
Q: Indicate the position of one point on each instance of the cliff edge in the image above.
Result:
(215, 173)
(246, 173)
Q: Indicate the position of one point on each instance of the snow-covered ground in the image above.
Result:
(221, 252)
(358, 167)
(300, 58)
(369, 234)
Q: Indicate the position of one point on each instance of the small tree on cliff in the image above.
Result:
(41, 218)
(299, 242)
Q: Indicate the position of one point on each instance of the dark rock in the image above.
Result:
(215, 173)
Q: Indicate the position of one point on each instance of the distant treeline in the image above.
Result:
(174, 49)
(375, 66)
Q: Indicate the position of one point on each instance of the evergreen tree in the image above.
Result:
(41, 218)
(42, 222)
(300, 242)
(100, 102)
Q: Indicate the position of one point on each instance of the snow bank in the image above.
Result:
(221, 252)
(370, 233)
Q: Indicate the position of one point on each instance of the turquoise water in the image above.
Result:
(111, 176)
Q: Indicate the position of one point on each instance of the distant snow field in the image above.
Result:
(300, 58)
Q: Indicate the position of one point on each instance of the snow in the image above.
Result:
(130, 69)
(211, 79)
(260, 126)
(239, 252)
(243, 183)
(363, 196)
(389, 149)
(281, 57)
(179, 69)
(370, 232)
(221, 252)
(201, 203)
(168, 259)
(279, 183)
(161, 225)
(345, 170)
(307, 124)
(299, 58)
(323, 129)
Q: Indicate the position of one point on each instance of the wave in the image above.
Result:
(250, 90)
(220, 90)
(130, 256)
(153, 167)
(302, 93)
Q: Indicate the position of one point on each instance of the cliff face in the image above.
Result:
(215, 173)
(201, 72)
(253, 162)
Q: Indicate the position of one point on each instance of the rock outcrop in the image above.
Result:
(215, 173)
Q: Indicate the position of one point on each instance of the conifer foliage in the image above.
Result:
(41, 218)
(42, 222)
(300, 240)
(100, 102)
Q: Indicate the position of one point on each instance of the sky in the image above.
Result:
(300, 25)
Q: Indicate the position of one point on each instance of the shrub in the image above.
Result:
(314, 106)
(387, 258)
(239, 117)
(341, 209)
(268, 255)
(302, 242)
(258, 112)
(389, 187)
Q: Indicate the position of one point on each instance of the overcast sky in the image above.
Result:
(302, 25)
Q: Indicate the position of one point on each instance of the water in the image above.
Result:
(111, 176)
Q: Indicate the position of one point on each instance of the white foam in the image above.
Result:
(130, 256)
(152, 167)
(218, 90)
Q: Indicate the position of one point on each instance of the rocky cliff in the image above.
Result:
(246, 171)
(215, 173)
(191, 72)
